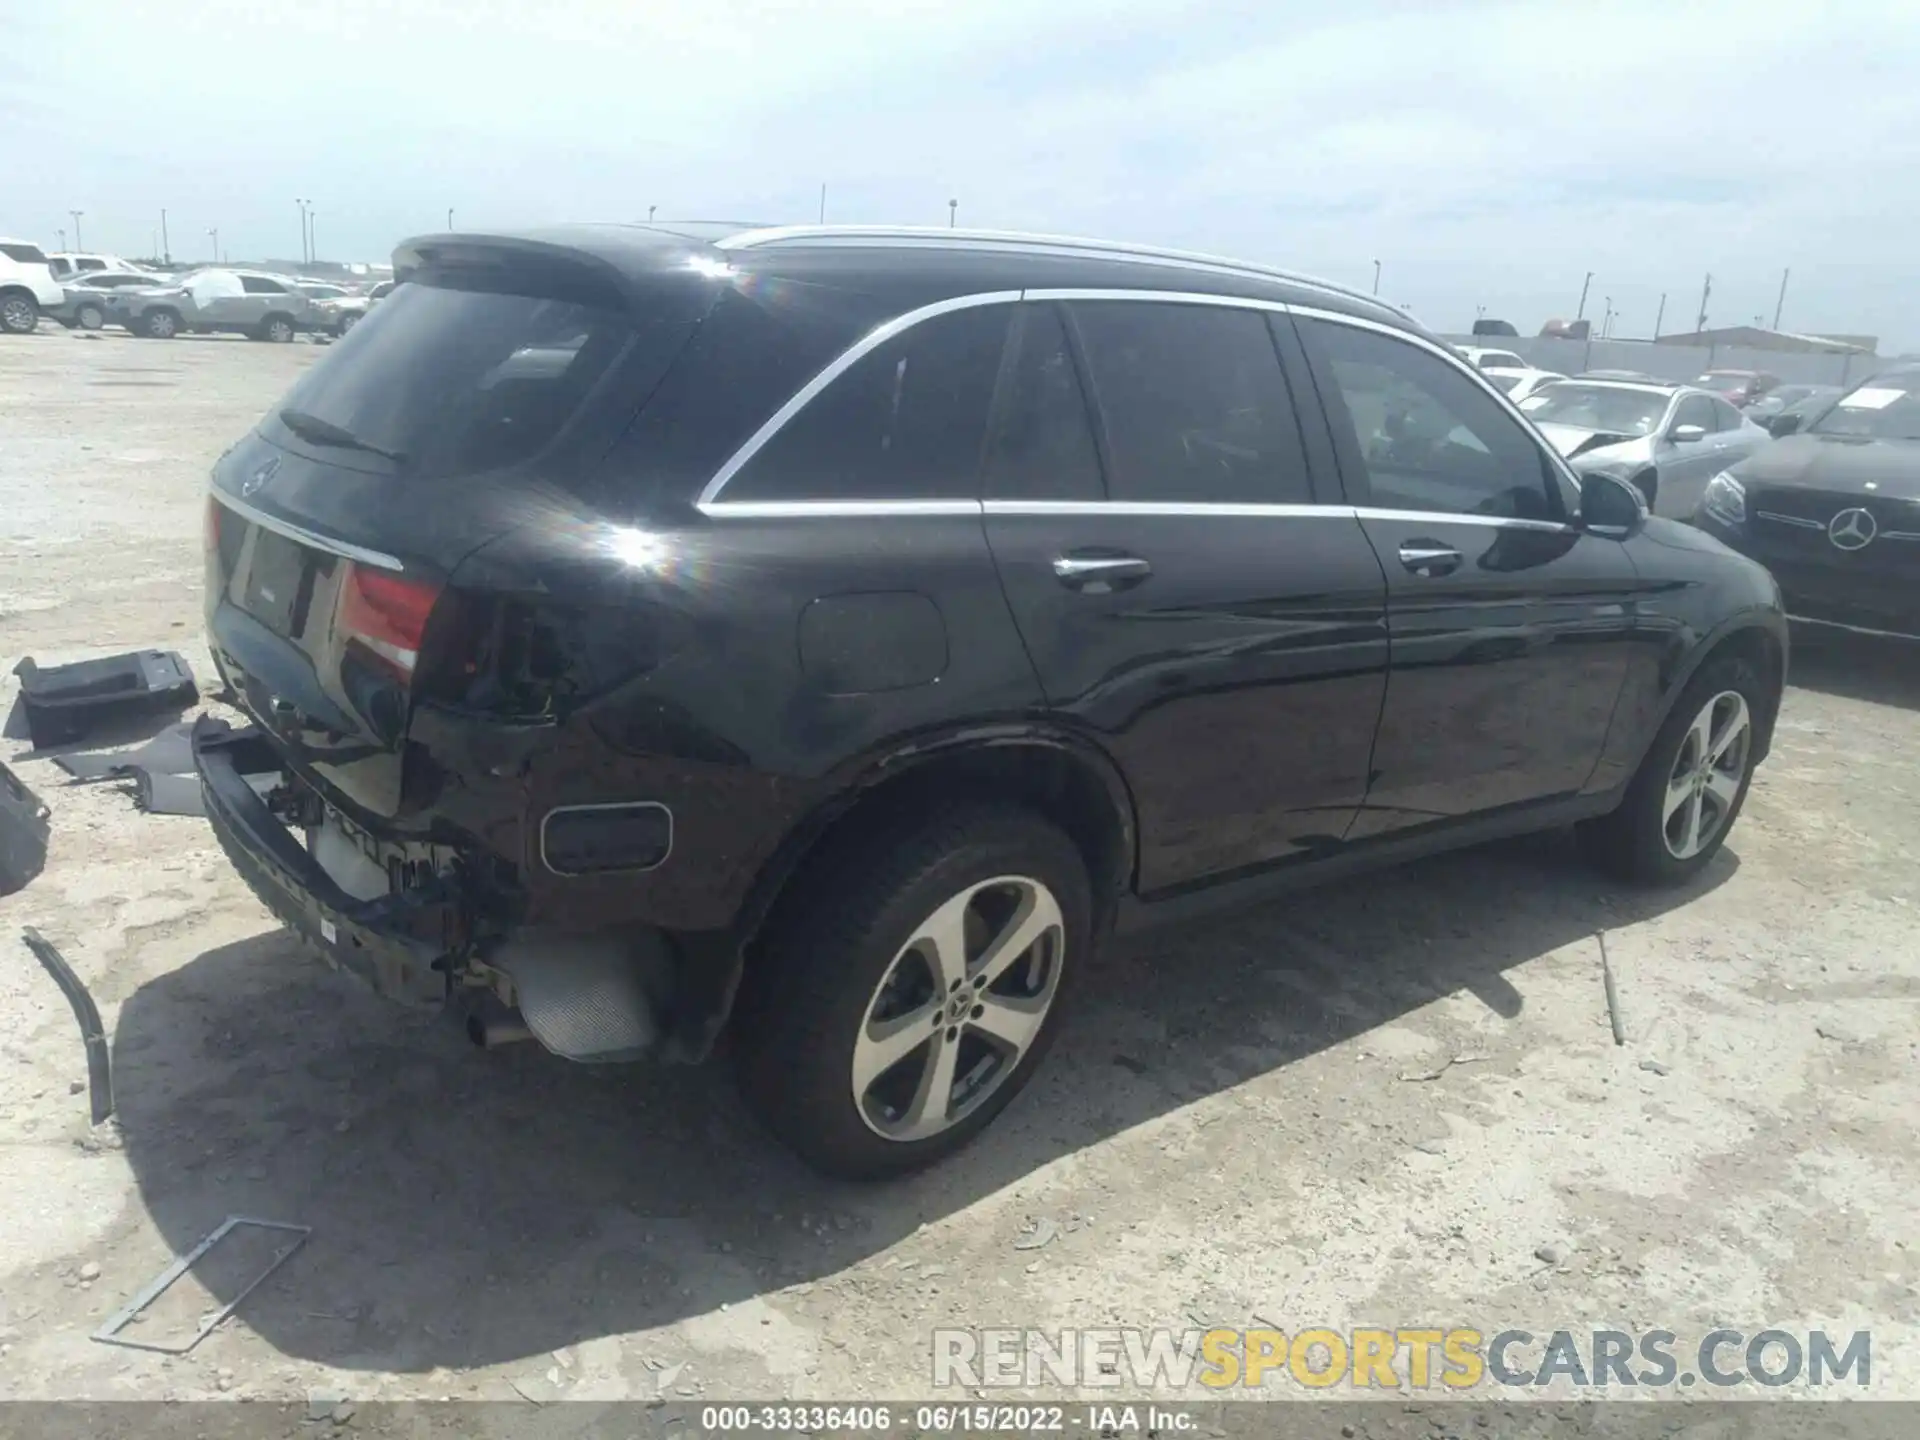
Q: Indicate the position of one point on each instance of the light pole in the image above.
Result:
(1606, 318)
(213, 233)
(78, 243)
(303, 227)
(166, 255)
(650, 210)
(1659, 314)
(953, 213)
(1581, 313)
(823, 202)
(1781, 303)
(63, 237)
(313, 236)
(1376, 277)
(449, 217)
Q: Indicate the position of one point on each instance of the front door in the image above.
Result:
(1188, 596)
(1510, 625)
(1690, 463)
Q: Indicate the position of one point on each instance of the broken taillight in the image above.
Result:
(385, 615)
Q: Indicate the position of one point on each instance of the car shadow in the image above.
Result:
(471, 1208)
(1884, 671)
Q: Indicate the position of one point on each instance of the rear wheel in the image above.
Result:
(910, 990)
(1690, 787)
(90, 317)
(347, 322)
(19, 313)
(276, 328)
(159, 325)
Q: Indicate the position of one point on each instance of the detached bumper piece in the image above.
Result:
(402, 945)
(64, 702)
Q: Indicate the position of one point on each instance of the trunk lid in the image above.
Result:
(475, 400)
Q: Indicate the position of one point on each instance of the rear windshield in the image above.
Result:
(24, 254)
(455, 381)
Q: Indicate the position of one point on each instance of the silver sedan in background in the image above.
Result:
(1668, 440)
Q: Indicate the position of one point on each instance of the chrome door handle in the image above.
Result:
(1078, 571)
(1429, 558)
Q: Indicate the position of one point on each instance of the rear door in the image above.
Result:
(1510, 626)
(1188, 591)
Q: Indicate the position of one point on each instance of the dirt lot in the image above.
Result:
(1257, 1118)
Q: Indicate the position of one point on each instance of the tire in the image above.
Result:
(90, 317)
(158, 324)
(347, 322)
(1635, 842)
(19, 312)
(838, 957)
(276, 328)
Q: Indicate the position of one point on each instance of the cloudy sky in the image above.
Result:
(1487, 154)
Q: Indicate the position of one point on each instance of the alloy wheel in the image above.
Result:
(17, 315)
(279, 331)
(959, 1007)
(90, 317)
(160, 325)
(1706, 776)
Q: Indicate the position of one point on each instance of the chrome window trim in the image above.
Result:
(665, 855)
(1221, 509)
(802, 509)
(345, 549)
(1421, 342)
(1161, 507)
(833, 370)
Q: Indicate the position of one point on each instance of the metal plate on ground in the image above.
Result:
(109, 1334)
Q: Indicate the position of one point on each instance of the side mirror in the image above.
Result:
(1687, 434)
(1611, 506)
(1785, 423)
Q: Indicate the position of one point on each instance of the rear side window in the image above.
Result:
(1042, 445)
(906, 421)
(24, 254)
(463, 381)
(90, 264)
(254, 285)
(1726, 417)
(1195, 405)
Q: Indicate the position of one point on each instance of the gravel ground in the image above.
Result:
(1396, 1101)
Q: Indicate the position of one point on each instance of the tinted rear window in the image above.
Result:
(24, 254)
(462, 381)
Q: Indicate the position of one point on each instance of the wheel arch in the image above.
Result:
(1761, 636)
(1064, 777)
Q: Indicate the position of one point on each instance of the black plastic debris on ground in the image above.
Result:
(168, 753)
(23, 833)
(159, 793)
(64, 702)
(92, 1034)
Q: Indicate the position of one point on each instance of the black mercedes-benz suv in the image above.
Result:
(1834, 510)
(829, 635)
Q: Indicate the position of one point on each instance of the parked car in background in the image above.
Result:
(66, 264)
(1649, 435)
(1495, 327)
(85, 295)
(1488, 359)
(1638, 376)
(1834, 510)
(1741, 387)
(1792, 399)
(338, 316)
(1521, 383)
(238, 302)
(634, 660)
(27, 286)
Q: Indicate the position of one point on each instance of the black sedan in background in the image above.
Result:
(1801, 401)
(1834, 510)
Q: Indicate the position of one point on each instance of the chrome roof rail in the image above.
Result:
(1021, 242)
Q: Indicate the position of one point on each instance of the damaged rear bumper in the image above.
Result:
(403, 945)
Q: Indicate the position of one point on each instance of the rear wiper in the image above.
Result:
(325, 432)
